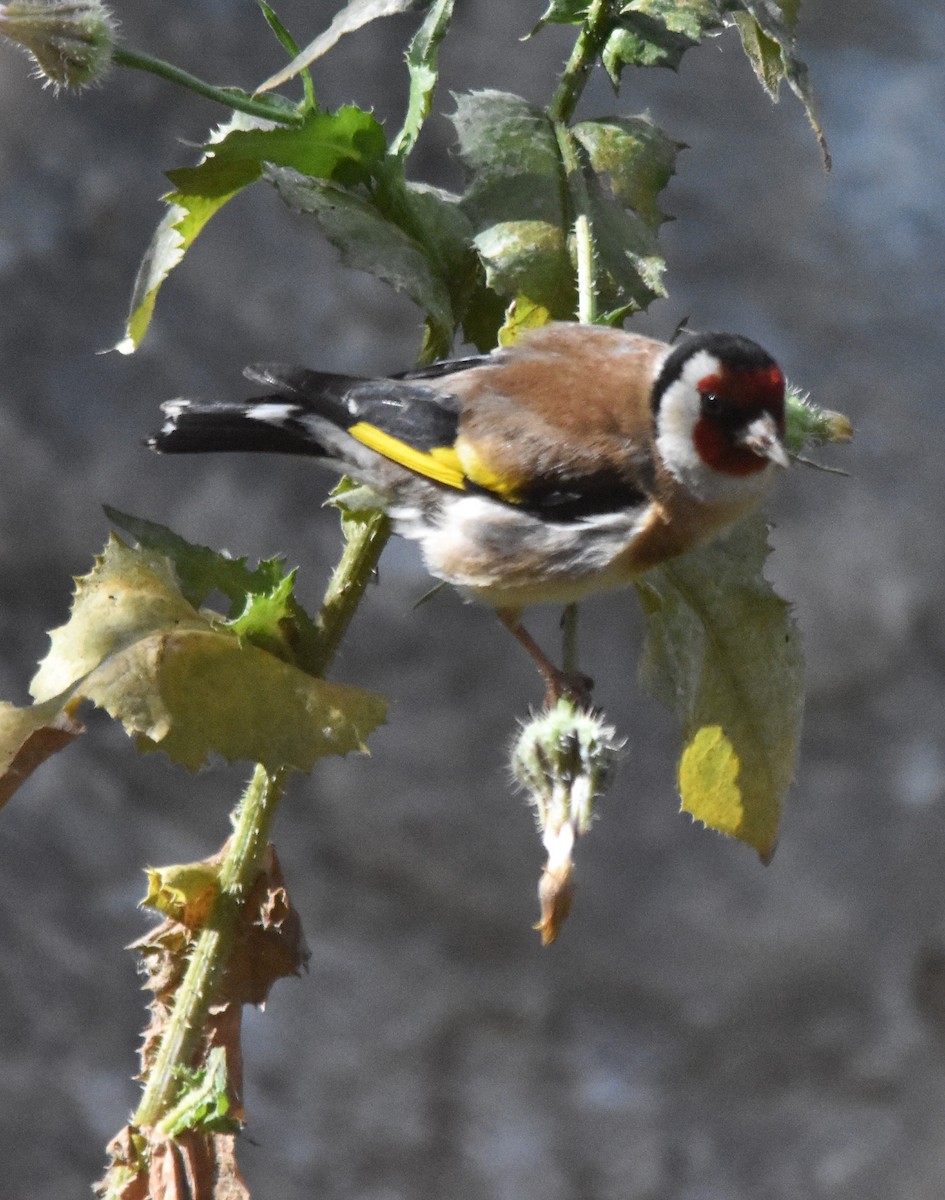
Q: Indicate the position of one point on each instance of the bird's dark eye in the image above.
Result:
(712, 405)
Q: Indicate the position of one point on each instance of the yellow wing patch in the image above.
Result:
(441, 464)
(479, 472)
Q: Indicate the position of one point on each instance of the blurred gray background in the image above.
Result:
(706, 1028)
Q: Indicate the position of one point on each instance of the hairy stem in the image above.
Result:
(594, 33)
(238, 870)
(244, 852)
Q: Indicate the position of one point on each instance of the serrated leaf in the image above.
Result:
(529, 259)
(369, 241)
(180, 682)
(126, 595)
(637, 157)
(514, 199)
(723, 652)
(346, 145)
(354, 14)
(511, 154)
(422, 68)
(200, 570)
(767, 32)
(563, 12)
(263, 609)
(657, 33)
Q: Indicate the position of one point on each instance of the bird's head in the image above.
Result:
(718, 406)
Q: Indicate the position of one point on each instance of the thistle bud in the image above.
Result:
(564, 758)
(70, 41)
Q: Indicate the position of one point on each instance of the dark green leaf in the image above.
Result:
(369, 241)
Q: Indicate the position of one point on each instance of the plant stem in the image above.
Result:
(243, 855)
(231, 97)
(366, 538)
(580, 203)
(569, 638)
(238, 870)
(597, 27)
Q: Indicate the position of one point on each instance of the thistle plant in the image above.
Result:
(559, 219)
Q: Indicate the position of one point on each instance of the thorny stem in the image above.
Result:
(238, 870)
(244, 852)
(231, 97)
(586, 50)
(594, 32)
(583, 232)
(365, 540)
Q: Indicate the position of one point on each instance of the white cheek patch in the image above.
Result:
(680, 409)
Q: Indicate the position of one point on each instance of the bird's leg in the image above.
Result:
(558, 683)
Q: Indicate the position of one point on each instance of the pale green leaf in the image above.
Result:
(767, 32)
(637, 157)
(354, 14)
(181, 681)
(422, 68)
(657, 33)
(529, 260)
(345, 146)
(511, 154)
(723, 652)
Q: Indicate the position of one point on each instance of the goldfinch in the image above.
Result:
(560, 466)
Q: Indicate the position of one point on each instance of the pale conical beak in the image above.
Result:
(761, 437)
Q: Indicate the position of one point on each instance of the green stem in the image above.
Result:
(580, 203)
(366, 538)
(207, 963)
(231, 97)
(244, 851)
(597, 27)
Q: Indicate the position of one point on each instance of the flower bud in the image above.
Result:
(70, 41)
(564, 758)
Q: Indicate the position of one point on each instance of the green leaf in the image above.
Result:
(346, 146)
(204, 1101)
(422, 67)
(515, 199)
(563, 12)
(185, 218)
(767, 32)
(638, 158)
(354, 14)
(657, 33)
(510, 152)
(180, 682)
(370, 242)
(199, 569)
(529, 260)
(723, 652)
(263, 609)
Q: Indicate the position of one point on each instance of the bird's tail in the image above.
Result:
(304, 412)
